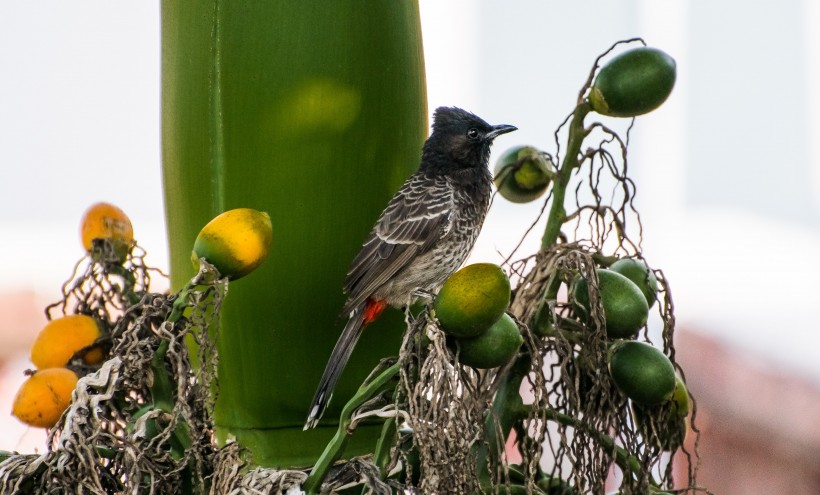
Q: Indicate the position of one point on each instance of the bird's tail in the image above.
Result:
(359, 318)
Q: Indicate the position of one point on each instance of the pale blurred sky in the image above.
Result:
(727, 171)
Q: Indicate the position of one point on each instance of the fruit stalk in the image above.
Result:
(335, 448)
(381, 454)
(558, 214)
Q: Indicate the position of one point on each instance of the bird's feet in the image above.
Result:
(424, 294)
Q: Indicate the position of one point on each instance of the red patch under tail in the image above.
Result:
(372, 309)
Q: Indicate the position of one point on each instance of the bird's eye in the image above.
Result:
(473, 133)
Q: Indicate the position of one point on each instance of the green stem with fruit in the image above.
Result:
(508, 408)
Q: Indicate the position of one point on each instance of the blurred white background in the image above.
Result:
(727, 170)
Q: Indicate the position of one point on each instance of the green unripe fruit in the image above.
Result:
(641, 372)
(472, 300)
(625, 307)
(493, 348)
(633, 83)
(680, 398)
(522, 174)
(639, 273)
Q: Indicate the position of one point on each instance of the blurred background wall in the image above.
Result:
(727, 173)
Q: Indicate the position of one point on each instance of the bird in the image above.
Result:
(421, 238)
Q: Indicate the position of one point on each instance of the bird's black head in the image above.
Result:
(460, 138)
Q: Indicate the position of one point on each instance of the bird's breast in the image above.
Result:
(428, 271)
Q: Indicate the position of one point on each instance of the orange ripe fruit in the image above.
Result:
(42, 398)
(106, 221)
(236, 242)
(62, 337)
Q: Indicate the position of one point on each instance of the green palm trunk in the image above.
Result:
(315, 112)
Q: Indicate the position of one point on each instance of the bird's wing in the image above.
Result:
(417, 216)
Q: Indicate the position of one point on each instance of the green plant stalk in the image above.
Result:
(382, 453)
(557, 213)
(336, 447)
(162, 392)
(181, 303)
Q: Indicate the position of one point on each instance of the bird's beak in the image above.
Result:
(500, 129)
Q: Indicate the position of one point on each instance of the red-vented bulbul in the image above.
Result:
(422, 237)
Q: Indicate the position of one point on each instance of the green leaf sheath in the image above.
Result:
(314, 112)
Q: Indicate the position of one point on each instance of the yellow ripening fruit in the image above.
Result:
(522, 174)
(235, 242)
(61, 338)
(472, 300)
(42, 398)
(106, 221)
